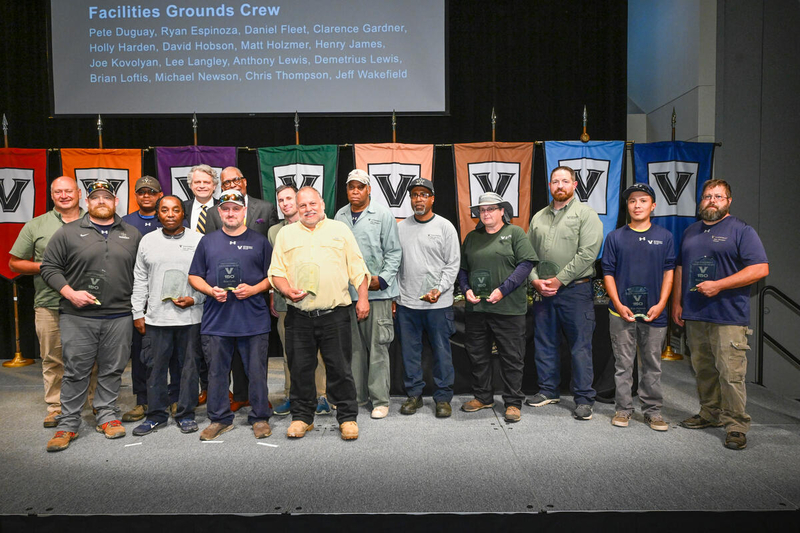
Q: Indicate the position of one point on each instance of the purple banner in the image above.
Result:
(174, 162)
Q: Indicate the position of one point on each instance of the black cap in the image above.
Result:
(421, 182)
(639, 187)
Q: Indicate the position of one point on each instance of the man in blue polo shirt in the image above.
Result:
(638, 264)
(720, 258)
(230, 267)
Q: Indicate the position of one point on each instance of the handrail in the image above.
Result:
(788, 302)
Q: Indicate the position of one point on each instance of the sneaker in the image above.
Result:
(261, 429)
(475, 405)
(443, 410)
(137, 413)
(583, 411)
(323, 407)
(698, 422)
(349, 430)
(50, 420)
(539, 400)
(382, 411)
(621, 419)
(298, 429)
(284, 408)
(411, 405)
(147, 427)
(187, 425)
(61, 440)
(112, 429)
(656, 422)
(214, 430)
(512, 414)
(736, 440)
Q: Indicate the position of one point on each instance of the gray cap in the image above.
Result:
(359, 176)
(421, 182)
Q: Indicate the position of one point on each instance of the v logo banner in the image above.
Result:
(670, 192)
(588, 184)
(175, 162)
(10, 202)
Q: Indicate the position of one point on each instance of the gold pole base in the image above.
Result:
(669, 355)
(18, 361)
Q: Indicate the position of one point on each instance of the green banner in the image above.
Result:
(301, 166)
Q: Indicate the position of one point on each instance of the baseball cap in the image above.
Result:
(232, 196)
(147, 182)
(99, 185)
(639, 187)
(421, 182)
(358, 175)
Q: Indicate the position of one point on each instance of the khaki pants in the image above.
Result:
(49, 335)
(719, 359)
(319, 373)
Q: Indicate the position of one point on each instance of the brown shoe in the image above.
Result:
(61, 440)
(137, 413)
(214, 430)
(349, 430)
(656, 422)
(736, 440)
(235, 406)
(297, 429)
(512, 414)
(112, 429)
(203, 398)
(475, 405)
(261, 429)
(621, 419)
(50, 419)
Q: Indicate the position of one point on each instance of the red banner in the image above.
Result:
(23, 195)
(120, 167)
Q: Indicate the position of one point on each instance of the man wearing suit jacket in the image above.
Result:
(260, 217)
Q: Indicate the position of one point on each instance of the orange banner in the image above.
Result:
(120, 167)
(392, 166)
(504, 168)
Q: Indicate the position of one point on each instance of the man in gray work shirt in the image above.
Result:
(566, 237)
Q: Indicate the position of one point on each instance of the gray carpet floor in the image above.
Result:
(470, 463)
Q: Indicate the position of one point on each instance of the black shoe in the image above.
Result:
(736, 440)
(443, 409)
(411, 405)
(147, 427)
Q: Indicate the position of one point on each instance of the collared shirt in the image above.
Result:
(330, 250)
(30, 243)
(570, 237)
(196, 208)
(376, 232)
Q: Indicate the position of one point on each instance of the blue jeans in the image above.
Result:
(218, 353)
(440, 327)
(140, 373)
(570, 310)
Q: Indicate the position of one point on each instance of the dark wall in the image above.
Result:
(535, 63)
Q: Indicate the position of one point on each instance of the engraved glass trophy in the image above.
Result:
(174, 285)
(93, 282)
(635, 299)
(229, 274)
(431, 282)
(308, 278)
(547, 269)
(703, 269)
(481, 283)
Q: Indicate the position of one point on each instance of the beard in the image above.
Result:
(712, 215)
(101, 212)
(420, 211)
(562, 196)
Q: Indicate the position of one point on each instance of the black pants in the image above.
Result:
(165, 344)
(508, 333)
(330, 334)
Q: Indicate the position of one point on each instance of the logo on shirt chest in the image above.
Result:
(243, 247)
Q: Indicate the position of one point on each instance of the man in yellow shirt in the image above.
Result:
(313, 263)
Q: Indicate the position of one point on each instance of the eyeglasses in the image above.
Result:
(716, 197)
(423, 195)
(234, 181)
(144, 192)
(490, 209)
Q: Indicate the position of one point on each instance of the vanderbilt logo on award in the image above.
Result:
(501, 177)
(17, 195)
(675, 184)
(592, 178)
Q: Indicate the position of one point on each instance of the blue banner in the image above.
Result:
(676, 171)
(598, 169)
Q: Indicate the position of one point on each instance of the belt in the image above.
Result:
(579, 281)
(314, 313)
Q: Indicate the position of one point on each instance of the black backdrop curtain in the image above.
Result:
(535, 62)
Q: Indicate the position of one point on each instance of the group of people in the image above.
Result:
(185, 289)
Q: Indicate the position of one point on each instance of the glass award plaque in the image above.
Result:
(703, 269)
(93, 282)
(174, 285)
(635, 299)
(481, 283)
(308, 278)
(431, 282)
(547, 269)
(229, 274)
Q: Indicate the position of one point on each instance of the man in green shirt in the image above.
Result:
(496, 259)
(26, 257)
(566, 237)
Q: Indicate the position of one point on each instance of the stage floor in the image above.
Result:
(470, 463)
